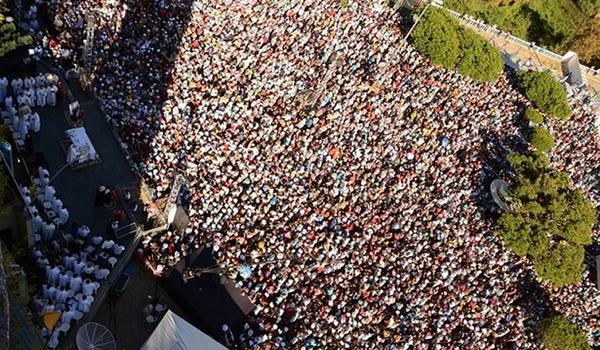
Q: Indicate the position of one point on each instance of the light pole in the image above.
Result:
(437, 3)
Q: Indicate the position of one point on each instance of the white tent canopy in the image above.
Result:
(175, 333)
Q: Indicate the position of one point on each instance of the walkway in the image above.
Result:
(77, 188)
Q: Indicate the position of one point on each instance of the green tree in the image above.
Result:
(541, 139)
(562, 265)
(478, 59)
(440, 37)
(558, 333)
(10, 38)
(545, 92)
(589, 7)
(534, 116)
(437, 36)
(550, 221)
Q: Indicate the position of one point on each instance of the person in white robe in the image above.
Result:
(63, 216)
(3, 88)
(22, 128)
(75, 284)
(40, 80)
(88, 288)
(37, 222)
(57, 205)
(8, 102)
(72, 155)
(83, 231)
(28, 82)
(17, 85)
(68, 261)
(49, 193)
(51, 95)
(62, 295)
(85, 303)
(23, 99)
(48, 231)
(36, 123)
(30, 93)
(78, 266)
(41, 96)
(53, 278)
(67, 316)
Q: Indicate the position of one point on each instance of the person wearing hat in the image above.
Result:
(98, 201)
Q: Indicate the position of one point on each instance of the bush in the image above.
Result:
(9, 35)
(344, 3)
(545, 92)
(550, 222)
(562, 265)
(437, 36)
(558, 333)
(479, 59)
(589, 7)
(541, 139)
(534, 116)
(441, 38)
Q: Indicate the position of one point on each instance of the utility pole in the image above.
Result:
(436, 3)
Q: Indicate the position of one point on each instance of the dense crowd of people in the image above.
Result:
(348, 172)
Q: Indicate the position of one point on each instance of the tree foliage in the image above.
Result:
(587, 43)
(545, 92)
(549, 23)
(558, 333)
(589, 7)
(438, 37)
(478, 58)
(534, 116)
(541, 139)
(10, 38)
(551, 221)
(447, 43)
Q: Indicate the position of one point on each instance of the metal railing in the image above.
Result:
(481, 25)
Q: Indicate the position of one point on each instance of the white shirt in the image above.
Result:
(88, 288)
(75, 284)
(77, 267)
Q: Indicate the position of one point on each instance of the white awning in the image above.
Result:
(175, 333)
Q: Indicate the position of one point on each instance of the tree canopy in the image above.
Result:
(534, 116)
(551, 221)
(558, 333)
(545, 92)
(541, 139)
(10, 38)
(441, 38)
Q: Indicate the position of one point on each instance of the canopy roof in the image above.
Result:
(175, 333)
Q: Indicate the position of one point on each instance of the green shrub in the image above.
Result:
(441, 38)
(545, 92)
(534, 116)
(344, 3)
(558, 333)
(10, 38)
(479, 59)
(550, 222)
(541, 139)
(589, 7)
(437, 36)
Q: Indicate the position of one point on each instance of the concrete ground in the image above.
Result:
(123, 315)
(77, 188)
